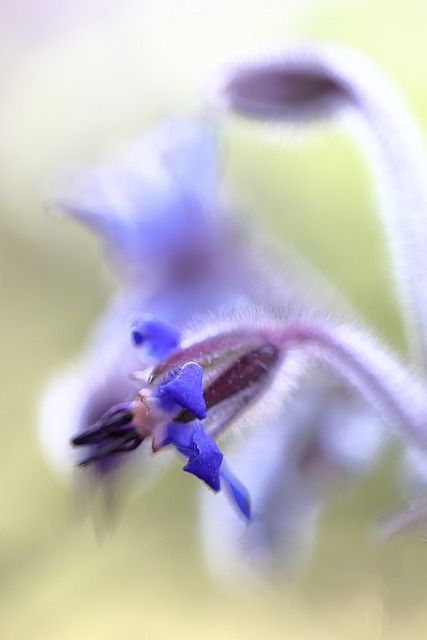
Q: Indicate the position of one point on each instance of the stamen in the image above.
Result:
(128, 442)
(109, 425)
(113, 433)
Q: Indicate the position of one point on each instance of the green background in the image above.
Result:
(72, 93)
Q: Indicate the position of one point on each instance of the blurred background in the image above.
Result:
(78, 80)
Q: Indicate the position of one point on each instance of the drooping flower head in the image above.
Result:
(202, 336)
(192, 392)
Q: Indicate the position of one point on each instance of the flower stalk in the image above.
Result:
(302, 84)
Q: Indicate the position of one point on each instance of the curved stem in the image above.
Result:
(302, 84)
(398, 395)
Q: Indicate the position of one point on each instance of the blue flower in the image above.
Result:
(220, 336)
(202, 353)
(170, 412)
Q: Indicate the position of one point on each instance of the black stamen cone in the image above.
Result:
(128, 443)
(113, 424)
(112, 434)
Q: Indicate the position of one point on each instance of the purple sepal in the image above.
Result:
(158, 337)
(238, 493)
(205, 460)
(186, 389)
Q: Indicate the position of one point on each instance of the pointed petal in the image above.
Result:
(186, 389)
(207, 459)
(180, 436)
(239, 494)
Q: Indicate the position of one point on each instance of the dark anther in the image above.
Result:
(113, 433)
(113, 424)
(98, 434)
(252, 368)
(128, 442)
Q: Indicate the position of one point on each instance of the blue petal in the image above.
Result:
(206, 460)
(238, 493)
(159, 337)
(156, 204)
(200, 137)
(181, 437)
(186, 389)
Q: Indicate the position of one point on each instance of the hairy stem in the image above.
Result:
(399, 396)
(307, 83)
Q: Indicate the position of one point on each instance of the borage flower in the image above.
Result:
(169, 410)
(197, 391)
(230, 340)
(174, 402)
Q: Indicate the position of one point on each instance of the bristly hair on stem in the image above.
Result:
(301, 84)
